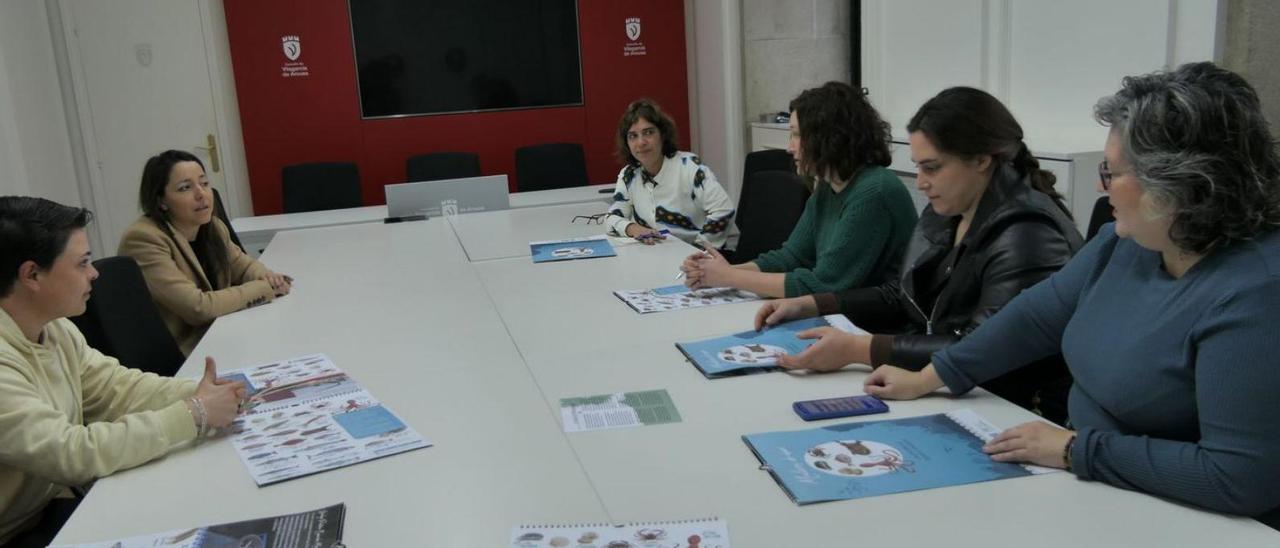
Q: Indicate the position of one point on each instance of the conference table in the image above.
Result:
(449, 323)
(256, 232)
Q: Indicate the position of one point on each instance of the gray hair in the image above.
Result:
(1199, 145)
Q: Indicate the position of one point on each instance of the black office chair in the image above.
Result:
(770, 204)
(555, 165)
(221, 211)
(121, 320)
(768, 160)
(441, 165)
(1102, 214)
(320, 186)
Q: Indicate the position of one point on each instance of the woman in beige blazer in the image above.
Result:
(194, 271)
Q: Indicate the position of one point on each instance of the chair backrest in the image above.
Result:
(221, 211)
(768, 160)
(321, 185)
(554, 165)
(441, 165)
(1102, 214)
(770, 204)
(122, 321)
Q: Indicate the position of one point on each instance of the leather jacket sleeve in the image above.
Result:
(875, 309)
(1022, 255)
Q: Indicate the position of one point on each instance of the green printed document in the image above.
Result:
(618, 410)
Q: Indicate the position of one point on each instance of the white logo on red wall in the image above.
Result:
(292, 47)
(292, 67)
(633, 46)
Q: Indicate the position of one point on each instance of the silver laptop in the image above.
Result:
(447, 196)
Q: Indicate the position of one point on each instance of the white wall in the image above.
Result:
(35, 149)
(1048, 60)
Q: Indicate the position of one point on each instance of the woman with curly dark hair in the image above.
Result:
(855, 226)
(661, 188)
(1166, 318)
(994, 227)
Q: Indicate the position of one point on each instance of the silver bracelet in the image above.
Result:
(203, 417)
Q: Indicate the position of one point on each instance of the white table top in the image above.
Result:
(476, 355)
(504, 234)
(254, 227)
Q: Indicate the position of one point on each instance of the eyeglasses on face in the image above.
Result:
(1106, 175)
(597, 219)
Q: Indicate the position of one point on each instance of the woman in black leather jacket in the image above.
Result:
(994, 226)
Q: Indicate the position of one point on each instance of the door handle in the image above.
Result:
(214, 163)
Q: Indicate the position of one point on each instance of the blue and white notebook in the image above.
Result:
(757, 351)
(870, 458)
(574, 248)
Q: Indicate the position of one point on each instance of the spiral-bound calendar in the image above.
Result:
(869, 458)
(691, 533)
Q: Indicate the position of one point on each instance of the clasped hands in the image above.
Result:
(706, 268)
(280, 283)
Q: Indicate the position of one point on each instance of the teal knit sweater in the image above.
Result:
(853, 238)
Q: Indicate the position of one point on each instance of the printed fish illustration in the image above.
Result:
(331, 451)
(274, 461)
(275, 425)
(292, 442)
(314, 430)
(260, 455)
(322, 445)
(254, 446)
(313, 419)
(283, 433)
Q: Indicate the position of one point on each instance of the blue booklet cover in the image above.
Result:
(754, 351)
(865, 459)
(573, 248)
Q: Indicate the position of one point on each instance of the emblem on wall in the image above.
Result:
(633, 28)
(633, 46)
(291, 45)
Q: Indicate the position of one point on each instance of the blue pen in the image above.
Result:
(649, 235)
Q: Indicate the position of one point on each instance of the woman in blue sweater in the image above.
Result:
(1167, 318)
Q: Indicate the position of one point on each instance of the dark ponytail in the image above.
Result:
(1041, 179)
(969, 122)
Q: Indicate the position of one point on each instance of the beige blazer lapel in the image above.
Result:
(184, 247)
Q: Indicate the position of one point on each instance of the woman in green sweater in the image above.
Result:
(856, 225)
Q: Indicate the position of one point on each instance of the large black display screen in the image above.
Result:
(433, 57)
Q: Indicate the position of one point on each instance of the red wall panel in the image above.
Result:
(312, 118)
